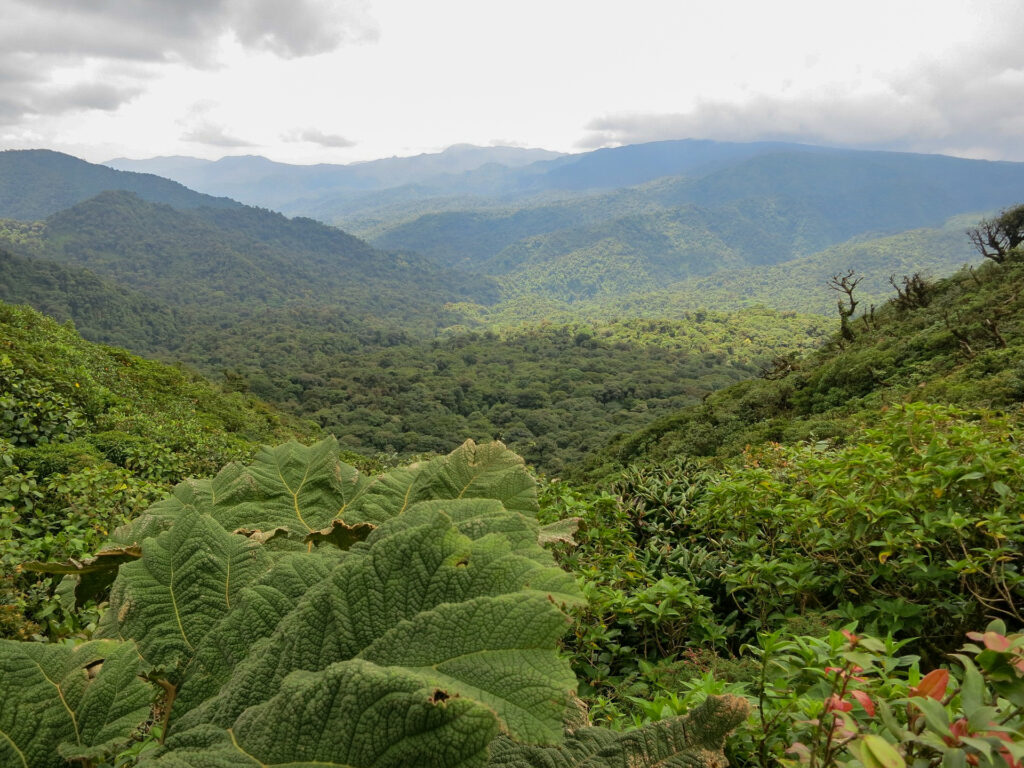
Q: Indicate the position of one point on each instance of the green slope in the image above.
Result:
(101, 310)
(799, 285)
(553, 393)
(38, 182)
(756, 211)
(243, 256)
(965, 348)
(89, 436)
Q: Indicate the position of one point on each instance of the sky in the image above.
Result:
(346, 80)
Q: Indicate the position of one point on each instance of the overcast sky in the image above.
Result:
(338, 81)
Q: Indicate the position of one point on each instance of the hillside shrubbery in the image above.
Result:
(89, 437)
(704, 578)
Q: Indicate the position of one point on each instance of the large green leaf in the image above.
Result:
(695, 740)
(351, 715)
(458, 613)
(489, 471)
(293, 487)
(471, 471)
(258, 610)
(289, 604)
(80, 702)
(187, 580)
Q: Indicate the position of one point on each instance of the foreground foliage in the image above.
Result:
(89, 437)
(296, 611)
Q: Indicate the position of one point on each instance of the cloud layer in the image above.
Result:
(67, 55)
(967, 103)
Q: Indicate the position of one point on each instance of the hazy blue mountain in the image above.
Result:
(283, 186)
(761, 210)
(35, 183)
(633, 164)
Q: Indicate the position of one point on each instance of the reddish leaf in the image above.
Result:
(833, 703)
(960, 728)
(865, 701)
(933, 685)
(996, 642)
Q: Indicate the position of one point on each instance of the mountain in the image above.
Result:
(232, 262)
(259, 181)
(36, 183)
(761, 210)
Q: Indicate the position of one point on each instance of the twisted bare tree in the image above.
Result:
(845, 284)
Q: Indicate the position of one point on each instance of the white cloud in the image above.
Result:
(214, 136)
(320, 138)
(122, 77)
(39, 40)
(966, 100)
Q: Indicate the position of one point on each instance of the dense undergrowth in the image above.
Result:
(295, 612)
(872, 488)
(89, 437)
(827, 560)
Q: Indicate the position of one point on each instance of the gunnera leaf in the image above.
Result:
(695, 740)
(60, 702)
(352, 714)
(428, 601)
(183, 585)
(293, 487)
(255, 614)
(471, 471)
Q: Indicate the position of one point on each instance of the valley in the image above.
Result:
(474, 432)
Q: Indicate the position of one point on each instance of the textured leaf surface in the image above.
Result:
(471, 471)
(301, 489)
(56, 700)
(301, 614)
(435, 603)
(560, 531)
(184, 584)
(258, 610)
(489, 471)
(692, 741)
(350, 714)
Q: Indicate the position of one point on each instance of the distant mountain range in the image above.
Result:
(612, 222)
(256, 180)
(672, 218)
(391, 340)
(138, 260)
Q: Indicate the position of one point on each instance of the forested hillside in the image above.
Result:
(102, 310)
(955, 340)
(554, 393)
(91, 435)
(799, 285)
(36, 183)
(821, 540)
(233, 261)
(762, 211)
(769, 524)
